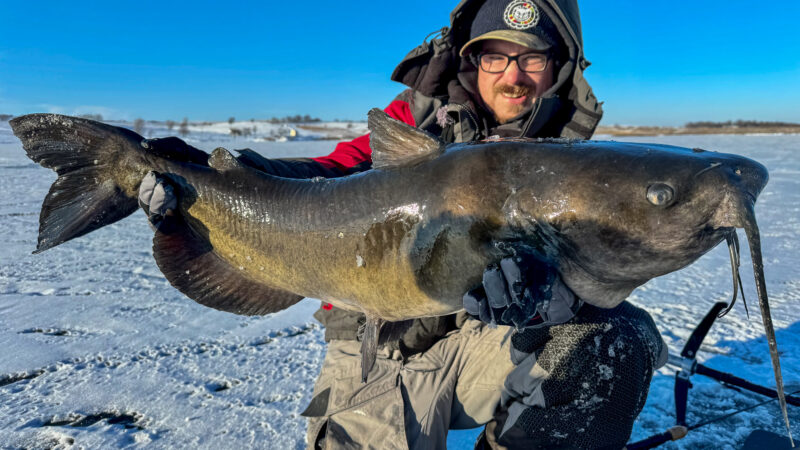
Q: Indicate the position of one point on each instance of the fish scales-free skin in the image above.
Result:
(408, 238)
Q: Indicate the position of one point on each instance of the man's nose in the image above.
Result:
(512, 74)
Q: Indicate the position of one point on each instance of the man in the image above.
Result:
(532, 362)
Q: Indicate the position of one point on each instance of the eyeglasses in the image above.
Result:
(498, 62)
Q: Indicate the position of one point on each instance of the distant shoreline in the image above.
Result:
(338, 130)
(674, 131)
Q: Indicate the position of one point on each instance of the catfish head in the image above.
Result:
(615, 215)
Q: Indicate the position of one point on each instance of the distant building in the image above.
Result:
(286, 133)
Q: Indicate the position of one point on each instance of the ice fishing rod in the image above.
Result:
(680, 431)
(687, 366)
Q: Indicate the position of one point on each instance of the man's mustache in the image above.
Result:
(512, 90)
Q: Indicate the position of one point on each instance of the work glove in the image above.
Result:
(157, 198)
(524, 291)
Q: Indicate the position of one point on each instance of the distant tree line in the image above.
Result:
(183, 126)
(740, 124)
(246, 131)
(97, 117)
(295, 119)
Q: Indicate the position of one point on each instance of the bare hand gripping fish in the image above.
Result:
(410, 237)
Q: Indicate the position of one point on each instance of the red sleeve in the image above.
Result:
(347, 155)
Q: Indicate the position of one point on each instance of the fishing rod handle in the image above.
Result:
(673, 434)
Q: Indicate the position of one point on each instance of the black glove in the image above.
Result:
(176, 149)
(523, 290)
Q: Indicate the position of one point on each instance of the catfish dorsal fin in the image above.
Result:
(222, 160)
(396, 144)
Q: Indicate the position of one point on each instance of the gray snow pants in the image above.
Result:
(575, 385)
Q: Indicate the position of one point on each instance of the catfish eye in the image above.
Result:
(660, 194)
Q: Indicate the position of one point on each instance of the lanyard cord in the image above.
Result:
(725, 416)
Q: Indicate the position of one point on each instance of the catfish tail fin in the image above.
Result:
(91, 191)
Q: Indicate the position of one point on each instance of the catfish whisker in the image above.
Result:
(733, 249)
(754, 240)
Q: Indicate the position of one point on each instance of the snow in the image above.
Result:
(210, 134)
(99, 351)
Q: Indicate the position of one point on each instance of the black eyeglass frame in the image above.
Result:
(476, 61)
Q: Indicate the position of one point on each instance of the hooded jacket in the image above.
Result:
(442, 88)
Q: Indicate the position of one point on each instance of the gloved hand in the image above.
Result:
(156, 195)
(524, 291)
(157, 198)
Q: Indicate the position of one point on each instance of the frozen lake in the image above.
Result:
(99, 351)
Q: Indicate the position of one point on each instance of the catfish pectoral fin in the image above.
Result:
(369, 345)
(190, 264)
(393, 331)
(378, 332)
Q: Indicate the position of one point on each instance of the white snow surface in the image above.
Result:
(99, 351)
(246, 133)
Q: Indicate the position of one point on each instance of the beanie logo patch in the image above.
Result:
(521, 15)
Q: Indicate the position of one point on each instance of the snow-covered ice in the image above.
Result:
(99, 351)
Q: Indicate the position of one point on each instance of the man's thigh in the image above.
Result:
(346, 413)
(457, 383)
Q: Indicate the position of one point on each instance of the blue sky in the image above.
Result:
(654, 63)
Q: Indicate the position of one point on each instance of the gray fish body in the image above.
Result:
(418, 237)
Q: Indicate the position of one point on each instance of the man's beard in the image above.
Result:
(511, 90)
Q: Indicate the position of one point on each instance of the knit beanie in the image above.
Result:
(517, 21)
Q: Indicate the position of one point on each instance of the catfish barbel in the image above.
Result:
(408, 238)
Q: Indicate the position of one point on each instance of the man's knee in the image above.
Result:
(598, 367)
(596, 342)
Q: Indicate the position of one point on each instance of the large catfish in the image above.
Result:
(408, 238)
